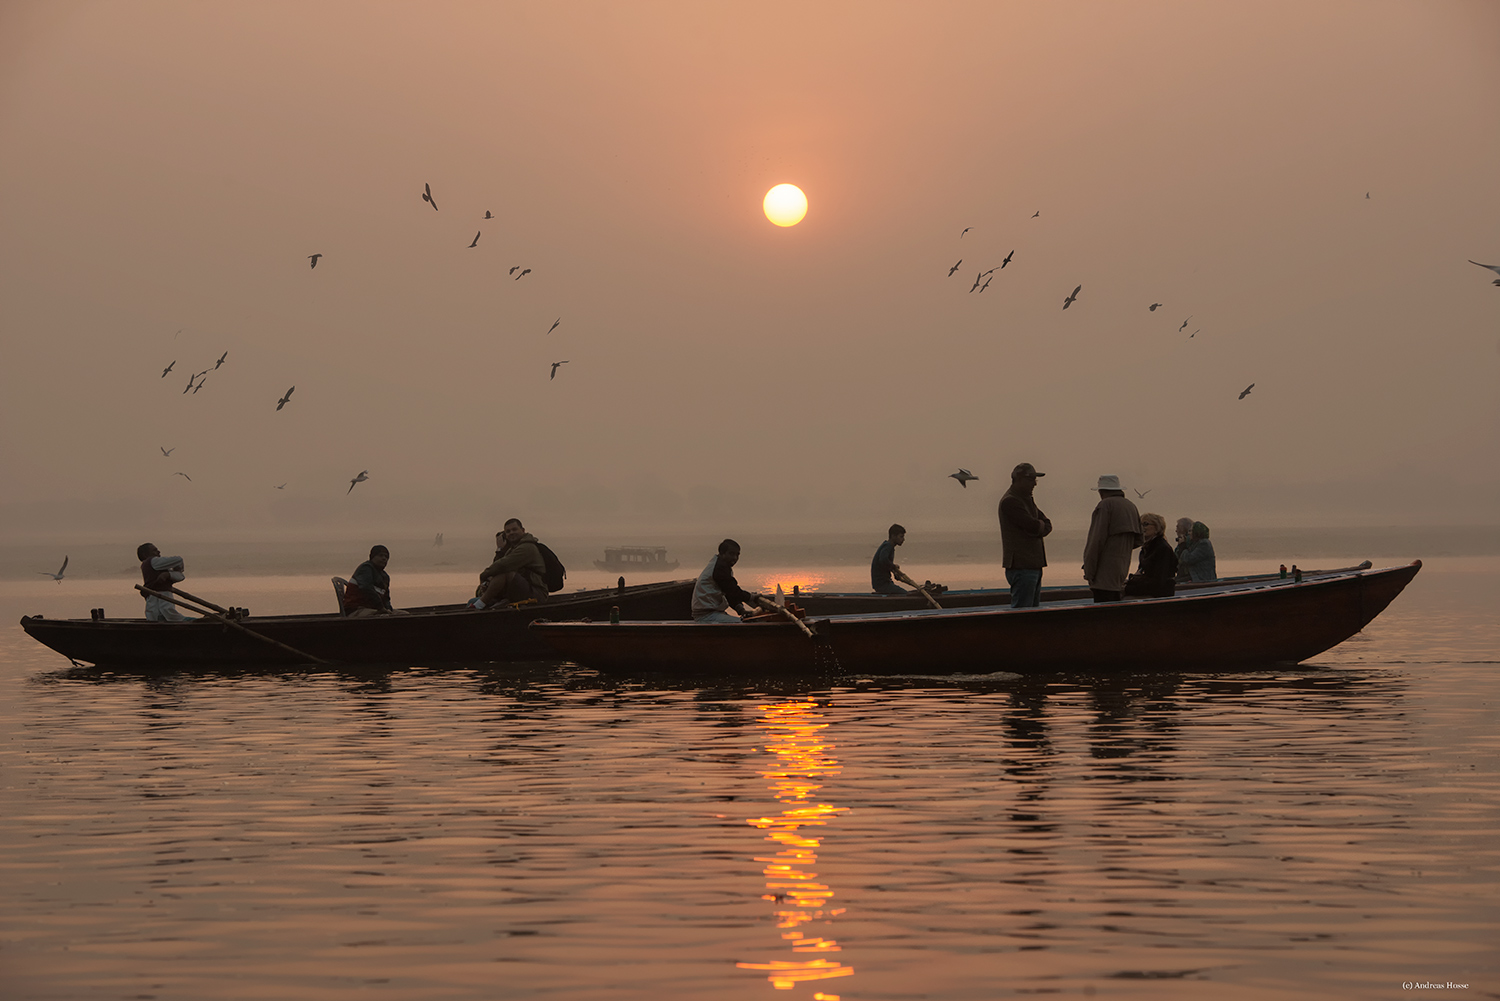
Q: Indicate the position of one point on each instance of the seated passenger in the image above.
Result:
(1198, 555)
(159, 573)
(1157, 576)
(884, 563)
(518, 572)
(369, 590)
(1184, 536)
(717, 591)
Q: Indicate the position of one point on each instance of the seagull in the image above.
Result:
(476, 240)
(523, 274)
(966, 229)
(282, 487)
(283, 401)
(963, 476)
(1007, 259)
(554, 325)
(986, 284)
(364, 475)
(1141, 495)
(185, 476)
(1154, 306)
(1493, 267)
(427, 196)
(554, 370)
(1367, 196)
(1184, 325)
(60, 571)
(977, 279)
(955, 267)
(169, 368)
(167, 451)
(513, 270)
(1036, 213)
(1069, 300)
(487, 214)
(200, 385)
(1246, 391)
(314, 259)
(190, 383)
(1194, 333)
(220, 361)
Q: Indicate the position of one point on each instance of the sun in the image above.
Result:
(785, 205)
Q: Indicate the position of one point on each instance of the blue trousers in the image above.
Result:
(1025, 587)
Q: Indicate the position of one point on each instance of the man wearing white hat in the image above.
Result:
(1114, 531)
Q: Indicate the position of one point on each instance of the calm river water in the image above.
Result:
(540, 831)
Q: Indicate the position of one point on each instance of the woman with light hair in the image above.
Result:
(1157, 576)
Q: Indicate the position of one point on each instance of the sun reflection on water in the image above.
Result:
(803, 758)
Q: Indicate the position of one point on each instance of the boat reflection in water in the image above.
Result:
(802, 760)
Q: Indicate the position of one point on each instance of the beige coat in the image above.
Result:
(1114, 531)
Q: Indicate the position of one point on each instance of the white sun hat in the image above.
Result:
(1109, 481)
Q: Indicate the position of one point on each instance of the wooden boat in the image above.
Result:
(636, 559)
(431, 634)
(821, 603)
(1231, 626)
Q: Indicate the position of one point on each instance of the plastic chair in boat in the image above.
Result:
(340, 585)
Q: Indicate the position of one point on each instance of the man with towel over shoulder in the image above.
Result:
(1114, 532)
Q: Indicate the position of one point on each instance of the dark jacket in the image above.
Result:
(524, 558)
(1157, 577)
(368, 588)
(1022, 528)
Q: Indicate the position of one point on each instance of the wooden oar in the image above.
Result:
(907, 580)
(232, 624)
(206, 604)
(770, 605)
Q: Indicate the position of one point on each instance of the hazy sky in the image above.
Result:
(168, 167)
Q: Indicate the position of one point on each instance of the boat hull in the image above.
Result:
(1235, 627)
(438, 634)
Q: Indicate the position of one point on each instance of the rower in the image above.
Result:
(884, 565)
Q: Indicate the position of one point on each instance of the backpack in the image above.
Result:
(555, 572)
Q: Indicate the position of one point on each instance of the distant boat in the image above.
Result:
(636, 559)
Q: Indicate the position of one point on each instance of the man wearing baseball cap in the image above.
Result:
(1022, 528)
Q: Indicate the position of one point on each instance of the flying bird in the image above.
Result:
(963, 476)
(1195, 333)
(169, 368)
(1246, 392)
(1184, 325)
(364, 475)
(1154, 306)
(554, 370)
(185, 476)
(966, 229)
(167, 451)
(514, 270)
(986, 284)
(554, 325)
(1036, 213)
(60, 571)
(523, 274)
(427, 196)
(1493, 267)
(1007, 259)
(1141, 495)
(282, 487)
(1367, 195)
(191, 379)
(283, 401)
(200, 385)
(314, 259)
(977, 279)
(955, 267)
(220, 361)
(476, 240)
(1070, 299)
(487, 214)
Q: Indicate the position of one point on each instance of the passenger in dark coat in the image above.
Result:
(1157, 576)
(1198, 555)
(1023, 526)
(369, 590)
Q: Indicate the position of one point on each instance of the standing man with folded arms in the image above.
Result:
(1022, 528)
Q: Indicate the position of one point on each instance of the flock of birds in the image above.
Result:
(197, 379)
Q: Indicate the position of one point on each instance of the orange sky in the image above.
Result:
(169, 166)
